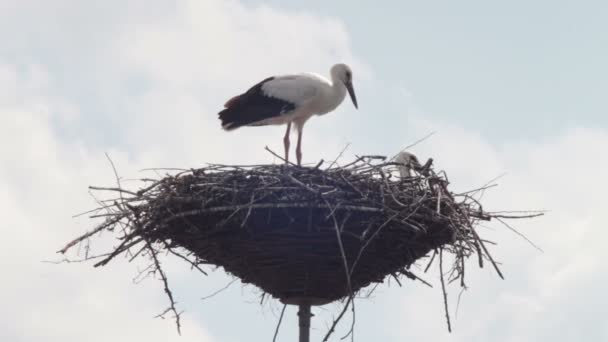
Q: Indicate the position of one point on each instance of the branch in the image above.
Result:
(276, 331)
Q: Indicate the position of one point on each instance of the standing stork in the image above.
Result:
(289, 99)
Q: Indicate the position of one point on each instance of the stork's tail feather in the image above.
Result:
(238, 116)
(230, 119)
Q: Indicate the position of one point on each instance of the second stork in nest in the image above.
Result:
(289, 99)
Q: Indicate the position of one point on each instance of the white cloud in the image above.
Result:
(542, 291)
(223, 42)
(144, 84)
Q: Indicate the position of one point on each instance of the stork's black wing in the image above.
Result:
(253, 106)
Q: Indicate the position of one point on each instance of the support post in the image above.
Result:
(304, 320)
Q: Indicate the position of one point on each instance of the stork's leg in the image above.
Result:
(299, 146)
(286, 142)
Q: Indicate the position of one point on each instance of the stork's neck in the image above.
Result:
(338, 89)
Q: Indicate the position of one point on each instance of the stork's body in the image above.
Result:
(289, 99)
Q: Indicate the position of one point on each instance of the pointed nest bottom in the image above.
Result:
(300, 234)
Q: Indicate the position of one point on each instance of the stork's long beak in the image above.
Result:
(351, 92)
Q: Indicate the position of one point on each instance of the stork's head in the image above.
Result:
(342, 73)
(407, 162)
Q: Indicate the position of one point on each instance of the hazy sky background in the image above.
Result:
(515, 87)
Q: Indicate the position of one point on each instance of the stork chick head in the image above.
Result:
(408, 161)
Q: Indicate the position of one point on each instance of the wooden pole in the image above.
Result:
(304, 320)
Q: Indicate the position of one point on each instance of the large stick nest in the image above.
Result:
(299, 233)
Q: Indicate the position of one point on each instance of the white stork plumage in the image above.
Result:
(407, 161)
(289, 99)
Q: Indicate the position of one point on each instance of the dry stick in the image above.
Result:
(541, 211)
(519, 233)
(445, 295)
(390, 190)
(116, 176)
(276, 331)
(415, 143)
(483, 246)
(430, 261)
(458, 301)
(121, 248)
(248, 211)
(338, 157)
(220, 290)
(107, 215)
(511, 217)
(462, 284)
(333, 326)
(413, 276)
(166, 286)
(485, 187)
(164, 169)
(397, 280)
(154, 184)
(70, 261)
(145, 273)
(192, 263)
(113, 189)
(137, 253)
(347, 273)
(262, 298)
(123, 203)
(370, 292)
(99, 228)
(96, 210)
(319, 164)
(276, 155)
(482, 192)
(351, 332)
(304, 186)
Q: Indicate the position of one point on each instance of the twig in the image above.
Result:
(335, 322)
(192, 263)
(412, 276)
(276, 331)
(166, 287)
(220, 290)
(445, 294)
(462, 289)
(113, 189)
(430, 261)
(339, 156)
(278, 156)
(346, 268)
(415, 143)
(105, 225)
(487, 253)
(518, 233)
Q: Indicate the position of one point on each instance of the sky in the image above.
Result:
(514, 88)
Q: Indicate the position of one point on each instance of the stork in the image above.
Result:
(288, 99)
(407, 161)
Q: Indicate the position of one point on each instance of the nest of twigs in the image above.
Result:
(301, 234)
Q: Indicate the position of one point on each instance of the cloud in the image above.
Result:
(223, 43)
(143, 83)
(561, 287)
